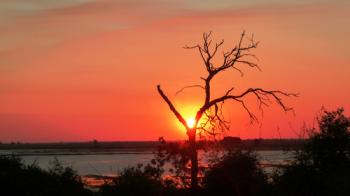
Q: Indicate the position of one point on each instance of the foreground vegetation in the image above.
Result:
(321, 167)
(17, 178)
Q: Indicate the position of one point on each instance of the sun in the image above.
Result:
(188, 111)
(191, 122)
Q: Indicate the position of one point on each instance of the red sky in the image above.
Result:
(85, 69)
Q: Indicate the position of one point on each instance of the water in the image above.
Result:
(110, 162)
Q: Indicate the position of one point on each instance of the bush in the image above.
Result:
(299, 180)
(330, 146)
(19, 179)
(134, 181)
(322, 167)
(238, 173)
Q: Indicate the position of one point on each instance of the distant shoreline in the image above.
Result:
(130, 147)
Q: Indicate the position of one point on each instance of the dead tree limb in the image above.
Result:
(211, 110)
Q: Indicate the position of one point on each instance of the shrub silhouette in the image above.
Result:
(330, 146)
(322, 167)
(142, 180)
(19, 179)
(134, 181)
(238, 173)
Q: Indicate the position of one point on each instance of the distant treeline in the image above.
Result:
(253, 144)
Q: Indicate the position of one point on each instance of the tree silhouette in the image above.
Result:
(211, 110)
(322, 165)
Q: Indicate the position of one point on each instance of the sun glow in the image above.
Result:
(188, 112)
(191, 122)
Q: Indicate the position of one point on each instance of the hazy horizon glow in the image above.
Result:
(75, 70)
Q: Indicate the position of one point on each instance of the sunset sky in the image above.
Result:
(77, 70)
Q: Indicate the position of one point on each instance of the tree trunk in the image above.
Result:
(194, 159)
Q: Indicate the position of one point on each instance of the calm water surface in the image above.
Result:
(109, 163)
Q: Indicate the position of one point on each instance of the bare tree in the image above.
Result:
(210, 113)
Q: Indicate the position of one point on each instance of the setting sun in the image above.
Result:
(191, 122)
(190, 98)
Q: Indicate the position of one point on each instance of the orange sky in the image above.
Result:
(79, 70)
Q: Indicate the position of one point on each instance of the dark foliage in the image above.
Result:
(238, 173)
(322, 167)
(299, 179)
(19, 179)
(134, 181)
(146, 181)
(330, 146)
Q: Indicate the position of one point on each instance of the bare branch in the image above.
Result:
(240, 71)
(209, 118)
(217, 46)
(190, 86)
(252, 117)
(250, 64)
(229, 91)
(239, 54)
(200, 49)
(172, 107)
(260, 94)
(205, 50)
